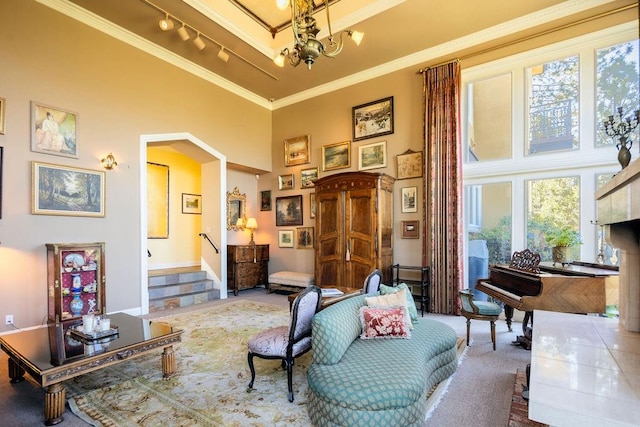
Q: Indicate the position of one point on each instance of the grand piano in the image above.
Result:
(527, 285)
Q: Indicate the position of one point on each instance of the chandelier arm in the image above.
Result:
(338, 45)
(326, 6)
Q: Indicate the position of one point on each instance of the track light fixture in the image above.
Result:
(185, 31)
(198, 42)
(166, 24)
(224, 56)
(307, 48)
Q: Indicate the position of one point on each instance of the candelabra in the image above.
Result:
(618, 127)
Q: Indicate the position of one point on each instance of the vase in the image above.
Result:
(76, 283)
(624, 154)
(76, 304)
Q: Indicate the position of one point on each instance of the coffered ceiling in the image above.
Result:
(398, 34)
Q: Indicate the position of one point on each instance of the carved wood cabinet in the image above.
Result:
(247, 266)
(75, 281)
(354, 226)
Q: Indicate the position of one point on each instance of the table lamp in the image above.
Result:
(252, 224)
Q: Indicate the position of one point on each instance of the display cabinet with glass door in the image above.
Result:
(75, 281)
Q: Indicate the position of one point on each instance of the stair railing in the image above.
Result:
(206, 237)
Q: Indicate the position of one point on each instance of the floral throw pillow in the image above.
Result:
(384, 322)
(391, 300)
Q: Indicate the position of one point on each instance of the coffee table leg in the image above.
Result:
(54, 399)
(168, 362)
(16, 373)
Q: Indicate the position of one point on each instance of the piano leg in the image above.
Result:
(528, 316)
(508, 314)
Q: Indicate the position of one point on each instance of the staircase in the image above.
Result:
(179, 287)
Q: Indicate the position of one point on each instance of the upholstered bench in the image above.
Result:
(289, 280)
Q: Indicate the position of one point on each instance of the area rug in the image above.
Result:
(209, 387)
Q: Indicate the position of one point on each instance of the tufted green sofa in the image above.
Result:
(383, 382)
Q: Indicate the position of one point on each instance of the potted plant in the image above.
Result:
(562, 240)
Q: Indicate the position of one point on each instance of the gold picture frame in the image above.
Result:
(54, 130)
(297, 151)
(3, 109)
(336, 156)
(409, 164)
(307, 177)
(236, 209)
(286, 182)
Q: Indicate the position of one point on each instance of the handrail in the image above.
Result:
(204, 235)
(148, 253)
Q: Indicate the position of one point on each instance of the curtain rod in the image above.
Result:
(533, 36)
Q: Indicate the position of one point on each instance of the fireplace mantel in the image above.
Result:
(619, 212)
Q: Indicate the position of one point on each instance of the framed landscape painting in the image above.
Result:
(307, 177)
(289, 210)
(285, 238)
(373, 119)
(64, 190)
(304, 238)
(336, 156)
(372, 156)
(191, 203)
(297, 151)
(265, 200)
(53, 130)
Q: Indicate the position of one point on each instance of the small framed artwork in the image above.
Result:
(410, 229)
(286, 182)
(53, 130)
(336, 156)
(373, 119)
(297, 150)
(191, 203)
(3, 109)
(285, 238)
(304, 238)
(409, 199)
(372, 156)
(307, 177)
(409, 164)
(312, 207)
(265, 200)
(64, 190)
(289, 210)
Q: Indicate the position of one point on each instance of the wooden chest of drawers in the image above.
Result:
(247, 266)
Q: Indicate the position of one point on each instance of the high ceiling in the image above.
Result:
(398, 34)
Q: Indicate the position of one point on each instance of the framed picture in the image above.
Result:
(372, 156)
(53, 130)
(157, 201)
(410, 229)
(3, 109)
(313, 207)
(289, 210)
(64, 190)
(307, 177)
(297, 151)
(336, 156)
(286, 182)
(265, 200)
(191, 203)
(304, 238)
(373, 119)
(285, 238)
(409, 199)
(409, 164)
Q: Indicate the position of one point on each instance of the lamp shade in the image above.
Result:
(252, 224)
(240, 223)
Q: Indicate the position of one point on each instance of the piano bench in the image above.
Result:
(479, 310)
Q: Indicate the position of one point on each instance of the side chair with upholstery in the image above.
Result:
(479, 310)
(287, 342)
(372, 282)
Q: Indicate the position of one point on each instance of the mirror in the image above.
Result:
(236, 208)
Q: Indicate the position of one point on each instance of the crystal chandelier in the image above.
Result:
(307, 48)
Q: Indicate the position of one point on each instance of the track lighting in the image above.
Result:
(224, 56)
(183, 33)
(166, 24)
(198, 42)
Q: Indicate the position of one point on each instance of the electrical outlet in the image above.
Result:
(8, 319)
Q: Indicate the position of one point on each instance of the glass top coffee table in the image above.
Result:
(51, 355)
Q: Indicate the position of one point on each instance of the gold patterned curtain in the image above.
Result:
(442, 233)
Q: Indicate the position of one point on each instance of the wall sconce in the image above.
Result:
(252, 224)
(109, 162)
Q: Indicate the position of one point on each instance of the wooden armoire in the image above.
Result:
(354, 228)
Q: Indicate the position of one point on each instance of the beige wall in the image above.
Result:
(327, 119)
(119, 94)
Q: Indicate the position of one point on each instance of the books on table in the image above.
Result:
(331, 292)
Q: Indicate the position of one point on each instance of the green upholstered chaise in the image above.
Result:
(374, 382)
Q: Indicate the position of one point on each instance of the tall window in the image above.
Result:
(535, 145)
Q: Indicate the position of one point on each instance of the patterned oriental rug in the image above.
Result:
(210, 384)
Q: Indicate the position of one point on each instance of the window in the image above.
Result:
(535, 145)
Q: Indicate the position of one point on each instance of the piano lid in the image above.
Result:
(577, 268)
